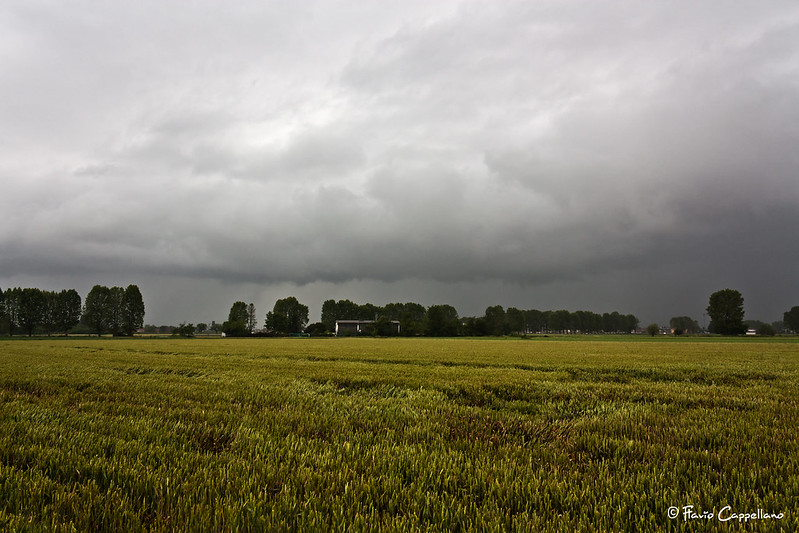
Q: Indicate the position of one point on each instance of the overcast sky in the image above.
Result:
(629, 156)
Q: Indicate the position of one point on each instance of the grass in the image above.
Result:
(546, 434)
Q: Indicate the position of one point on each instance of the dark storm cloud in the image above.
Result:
(621, 154)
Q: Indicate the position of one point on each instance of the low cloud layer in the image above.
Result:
(555, 154)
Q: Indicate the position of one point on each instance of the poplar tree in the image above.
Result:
(132, 310)
(726, 311)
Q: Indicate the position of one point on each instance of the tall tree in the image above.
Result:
(132, 310)
(613, 322)
(560, 320)
(96, 309)
(495, 320)
(32, 304)
(474, 326)
(236, 324)
(442, 321)
(344, 310)
(12, 301)
(50, 312)
(116, 306)
(393, 311)
(630, 323)
(412, 319)
(726, 311)
(238, 312)
(535, 320)
(288, 316)
(515, 320)
(252, 320)
(2, 311)
(586, 321)
(369, 311)
(791, 319)
(329, 314)
(67, 315)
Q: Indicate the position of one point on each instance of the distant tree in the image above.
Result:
(474, 326)
(342, 310)
(49, 310)
(347, 310)
(766, 330)
(12, 302)
(369, 311)
(616, 323)
(726, 311)
(536, 320)
(96, 309)
(61, 311)
(2, 311)
(32, 306)
(329, 314)
(753, 324)
(596, 323)
(495, 320)
(106, 310)
(184, 330)
(630, 323)
(586, 322)
(238, 312)
(202, 327)
(652, 329)
(132, 310)
(116, 310)
(274, 323)
(411, 319)
(288, 316)
(684, 324)
(317, 329)
(442, 321)
(791, 319)
(393, 311)
(383, 327)
(252, 319)
(236, 324)
(514, 318)
(560, 321)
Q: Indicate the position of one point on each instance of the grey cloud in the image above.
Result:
(325, 154)
(601, 153)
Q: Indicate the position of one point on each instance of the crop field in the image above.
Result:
(546, 434)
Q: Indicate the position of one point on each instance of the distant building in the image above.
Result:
(362, 327)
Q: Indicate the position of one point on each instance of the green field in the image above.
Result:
(572, 434)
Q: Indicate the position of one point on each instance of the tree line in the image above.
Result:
(114, 310)
(444, 321)
(120, 311)
(289, 316)
(30, 310)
